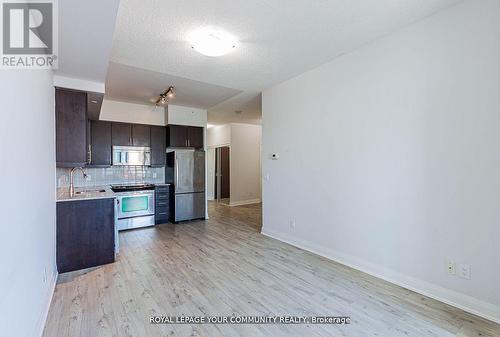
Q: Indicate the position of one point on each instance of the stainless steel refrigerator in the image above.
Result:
(186, 172)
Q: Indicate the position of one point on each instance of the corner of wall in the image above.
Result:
(48, 296)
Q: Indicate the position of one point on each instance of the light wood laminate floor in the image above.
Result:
(223, 266)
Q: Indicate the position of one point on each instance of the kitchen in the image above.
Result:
(113, 175)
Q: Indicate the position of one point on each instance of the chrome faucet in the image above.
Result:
(71, 186)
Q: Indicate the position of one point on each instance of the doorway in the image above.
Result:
(222, 175)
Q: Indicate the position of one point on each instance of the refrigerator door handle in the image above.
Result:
(176, 175)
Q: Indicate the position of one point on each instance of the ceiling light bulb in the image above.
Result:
(170, 94)
(212, 42)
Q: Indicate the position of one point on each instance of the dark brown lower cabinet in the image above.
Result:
(85, 234)
(162, 204)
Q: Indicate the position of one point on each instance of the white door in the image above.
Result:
(210, 174)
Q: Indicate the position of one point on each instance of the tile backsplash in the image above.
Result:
(112, 175)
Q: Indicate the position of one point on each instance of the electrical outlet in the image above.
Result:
(154, 175)
(292, 224)
(464, 271)
(267, 177)
(451, 267)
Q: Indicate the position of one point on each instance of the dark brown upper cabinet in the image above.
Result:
(184, 136)
(121, 134)
(124, 134)
(195, 137)
(158, 145)
(71, 128)
(176, 136)
(141, 135)
(100, 143)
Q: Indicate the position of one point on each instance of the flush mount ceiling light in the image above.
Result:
(211, 42)
(164, 98)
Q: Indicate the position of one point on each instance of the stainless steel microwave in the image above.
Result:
(131, 156)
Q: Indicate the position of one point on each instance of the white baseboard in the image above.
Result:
(45, 313)
(465, 302)
(244, 202)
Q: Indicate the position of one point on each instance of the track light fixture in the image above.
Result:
(166, 96)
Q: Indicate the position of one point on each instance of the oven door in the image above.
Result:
(135, 204)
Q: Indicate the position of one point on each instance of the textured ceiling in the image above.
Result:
(279, 39)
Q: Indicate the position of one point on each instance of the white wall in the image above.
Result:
(210, 173)
(27, 203)
(244, 141)
(126, 112)
(182, 115)
(219, 135)
(390, 157)
(245, 164)
(132, 113)
(78, 84)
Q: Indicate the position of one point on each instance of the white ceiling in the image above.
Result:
(279, 39)
(126, 83)
(85, 37)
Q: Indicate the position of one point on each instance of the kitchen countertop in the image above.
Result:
(90, 194)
